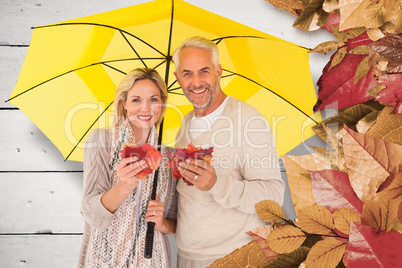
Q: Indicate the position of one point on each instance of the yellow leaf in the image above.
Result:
(365, 171)
(330, 6)
(250, 255)
(381, 213)
(338, 57)
(285, 239)
(270, 211)
(326, 253)
(361, 70)
(316, 219)
(343, 217)
(326, 47)
(376, 15)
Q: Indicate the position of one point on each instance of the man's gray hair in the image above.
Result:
(198, 42)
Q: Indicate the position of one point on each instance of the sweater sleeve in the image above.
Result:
(97, 180)
(257, 176)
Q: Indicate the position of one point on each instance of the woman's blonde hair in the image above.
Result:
(119, 113)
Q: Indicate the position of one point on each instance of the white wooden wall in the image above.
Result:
(40, 193)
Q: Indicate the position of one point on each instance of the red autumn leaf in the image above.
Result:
(336, 85)
(146, 152)
(393, 91)
(180, 155)
(332, 189)
(371, 247)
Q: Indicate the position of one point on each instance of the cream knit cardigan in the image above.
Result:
(212, 224)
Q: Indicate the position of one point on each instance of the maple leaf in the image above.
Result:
(332, 190)
(388, 126)
(390, 47)
(326, 253)
(285, 239)
(146, 152)
(316, 219)
(180, 155)
(270, 211)
(249, 255)
(260, 235)
(370, 247)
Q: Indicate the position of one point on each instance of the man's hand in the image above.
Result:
(198, 172)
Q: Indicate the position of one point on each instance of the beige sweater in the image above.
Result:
(212, 224)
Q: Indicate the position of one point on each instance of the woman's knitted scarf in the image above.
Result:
(123, 243)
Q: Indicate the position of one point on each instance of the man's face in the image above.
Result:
(198, 77)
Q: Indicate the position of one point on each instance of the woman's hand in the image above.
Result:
(155, 214)
(127, 171)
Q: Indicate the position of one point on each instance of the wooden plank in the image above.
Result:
(23, 147)
(17, 17)
(39, 251)
(40, 203)
(11, 59)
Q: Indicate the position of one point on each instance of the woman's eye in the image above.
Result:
(136, 100)
(154, 100)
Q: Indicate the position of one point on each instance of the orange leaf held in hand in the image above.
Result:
(146, 152)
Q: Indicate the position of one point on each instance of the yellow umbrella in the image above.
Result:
(68, 79)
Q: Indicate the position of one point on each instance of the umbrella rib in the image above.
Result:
(255, 82)
(135, 51)
(86, 132)
(218, 40)
(111, 67)
(100, 25)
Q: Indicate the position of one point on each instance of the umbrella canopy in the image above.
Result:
(69, 77)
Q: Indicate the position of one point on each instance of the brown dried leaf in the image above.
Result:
(330, 6)
(343, 217)
(249, 255)
(394, 189)
(260, 235)
(336, 160)
(361, 70)
(375, 90)
(326, 253)
(316, 219)
(285, 239)
(376, 15)
(338, 57)
(390, 47)
(366, 122)
(327, 47)
(388, 126)
(270, 211)
(352, 12)
(312, 17)
(375, 34)
(287, 5)
(299, 179)
(381, 213)
(367, 161)
(292, 259)
(361, 50)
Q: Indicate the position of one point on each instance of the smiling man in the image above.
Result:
(215, 214)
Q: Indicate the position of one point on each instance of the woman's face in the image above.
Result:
(143, 104)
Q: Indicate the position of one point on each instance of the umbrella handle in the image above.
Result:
(149, 240)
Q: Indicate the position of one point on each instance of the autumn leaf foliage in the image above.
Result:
(146, 152)
(181, 155)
